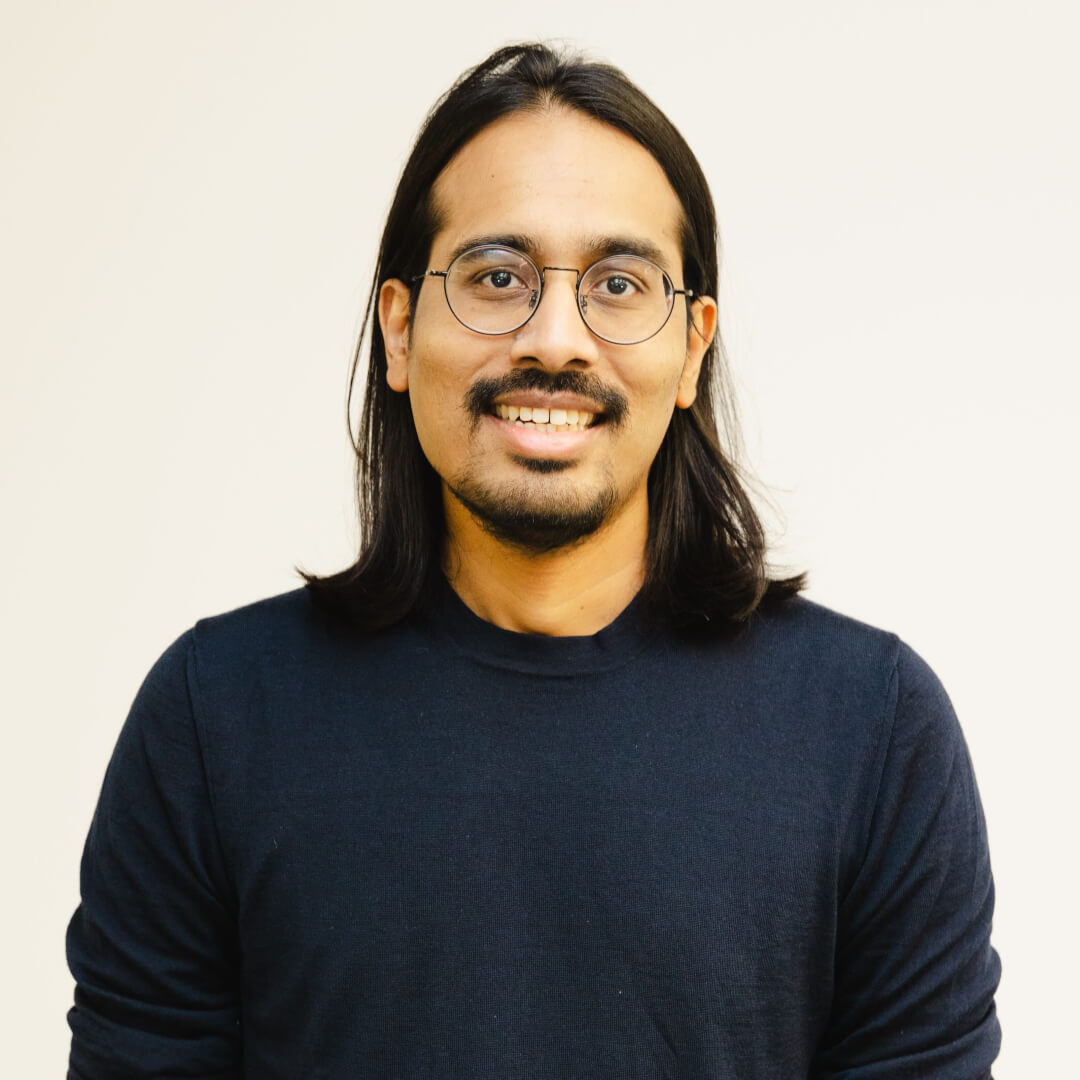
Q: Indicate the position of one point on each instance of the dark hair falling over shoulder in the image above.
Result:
(706, 558)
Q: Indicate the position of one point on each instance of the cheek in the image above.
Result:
(437, 390)
(654, 391)
(430, 414)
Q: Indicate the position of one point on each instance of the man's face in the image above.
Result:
(568, 189)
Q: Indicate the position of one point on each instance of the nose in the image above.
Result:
(556, 335)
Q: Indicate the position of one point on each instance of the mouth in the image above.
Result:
(544, 411)
(547, 418)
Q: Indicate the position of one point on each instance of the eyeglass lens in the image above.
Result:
(623, 299)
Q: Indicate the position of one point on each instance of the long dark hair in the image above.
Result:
(705, 560)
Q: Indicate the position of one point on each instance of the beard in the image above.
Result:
(536, 522)
(529, 514)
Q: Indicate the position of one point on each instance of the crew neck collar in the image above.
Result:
(616, 644)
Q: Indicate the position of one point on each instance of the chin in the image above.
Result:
(538, 524)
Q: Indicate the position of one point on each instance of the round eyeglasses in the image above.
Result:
(623, 299)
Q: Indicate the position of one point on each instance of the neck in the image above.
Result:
(573, 591)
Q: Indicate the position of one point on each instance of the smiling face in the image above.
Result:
(546, 434)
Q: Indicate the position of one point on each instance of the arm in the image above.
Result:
(153, 946)
(915, 972)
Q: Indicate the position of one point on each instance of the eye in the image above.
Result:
(618, 285)
(500, 279)
(492, 273)
(622, 282)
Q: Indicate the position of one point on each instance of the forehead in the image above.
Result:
(567, 182)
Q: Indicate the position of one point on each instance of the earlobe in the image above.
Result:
(394, 312)
(702, 332)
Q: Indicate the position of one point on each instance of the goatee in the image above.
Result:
(519, 514)
(513, 515)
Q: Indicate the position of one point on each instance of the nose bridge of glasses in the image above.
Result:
(566, 270)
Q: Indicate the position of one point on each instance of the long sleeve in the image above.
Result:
(153, 945)
(915, 972)
(628, 855)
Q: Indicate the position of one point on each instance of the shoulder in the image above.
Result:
(852, 681)
(819, 655)
(262, 624)
(913, 743)
(818, 644)
(208, 680)
(238, 637)
(285, 630)
(801, 625)
(277, 641)
(288, 654)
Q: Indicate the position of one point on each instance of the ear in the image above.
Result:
(702, 331)
(394, 321)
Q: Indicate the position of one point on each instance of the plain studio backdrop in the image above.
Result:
(190, 200)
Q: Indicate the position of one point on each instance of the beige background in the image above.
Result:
(190, 195)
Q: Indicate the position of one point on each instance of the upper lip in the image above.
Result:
(537, 399)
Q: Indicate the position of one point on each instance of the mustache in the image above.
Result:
(480, 397)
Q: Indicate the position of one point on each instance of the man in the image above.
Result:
(555, 781)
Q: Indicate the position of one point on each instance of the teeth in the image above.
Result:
(546, 419)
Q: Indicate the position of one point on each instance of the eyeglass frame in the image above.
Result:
(540, 272)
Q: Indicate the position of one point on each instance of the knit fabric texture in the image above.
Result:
(448, 850)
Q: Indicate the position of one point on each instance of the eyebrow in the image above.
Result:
(602, 246)
(597, 247)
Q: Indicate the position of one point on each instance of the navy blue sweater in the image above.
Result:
(448, 850)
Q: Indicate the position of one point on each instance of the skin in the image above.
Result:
(561, 179)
